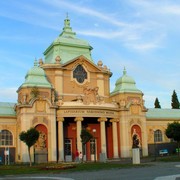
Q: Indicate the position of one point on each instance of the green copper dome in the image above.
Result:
(67, 46)
(125, 84)
(36, 77)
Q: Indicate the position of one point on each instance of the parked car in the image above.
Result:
(163, 152)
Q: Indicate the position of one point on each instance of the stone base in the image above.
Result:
(135, 156)
(41, 156)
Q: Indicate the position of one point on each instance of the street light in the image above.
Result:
(94, 132)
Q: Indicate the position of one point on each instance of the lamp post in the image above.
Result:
(94, 132)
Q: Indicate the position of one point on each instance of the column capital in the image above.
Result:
(60, 119)
(114, 120)
(102, 119)
(79, 119)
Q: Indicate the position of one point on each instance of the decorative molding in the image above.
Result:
(102, 119)
(79, 119)
(114, 120)
(90, 95)
(60, 119)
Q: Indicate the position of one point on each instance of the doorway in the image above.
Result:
(68, 150)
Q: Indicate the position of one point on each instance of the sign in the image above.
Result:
(87, 113)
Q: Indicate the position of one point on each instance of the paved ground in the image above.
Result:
(156, 171)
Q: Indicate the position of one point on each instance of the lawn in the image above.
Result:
(71, 167)
(59, 168)
(172, 158)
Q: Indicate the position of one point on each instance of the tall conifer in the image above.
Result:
(174, 101)
(157, 104)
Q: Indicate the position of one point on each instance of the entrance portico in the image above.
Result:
(71, 122)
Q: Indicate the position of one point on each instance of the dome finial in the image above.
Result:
(66, 21)
(35, 62)
(124, 71)
(67, 16)
(67, 30)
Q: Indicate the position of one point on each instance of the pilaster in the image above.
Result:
(115, 137)
(60, 139)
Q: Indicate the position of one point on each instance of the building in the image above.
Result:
(66, 92)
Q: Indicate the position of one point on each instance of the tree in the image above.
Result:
(86, 136)
(174, 101)
(173, 132)
(29, 137)
(157, 104)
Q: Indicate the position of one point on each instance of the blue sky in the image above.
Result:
(140, 35)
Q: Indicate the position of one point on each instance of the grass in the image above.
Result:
(18, 169)
(172, 158)
(60, 168)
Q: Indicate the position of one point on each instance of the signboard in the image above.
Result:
(87, 113)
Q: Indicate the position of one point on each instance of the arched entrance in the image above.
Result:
(41, 146)
(136, 130)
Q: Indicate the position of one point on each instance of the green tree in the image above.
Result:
(86, 136)
(157, 104)
(173, 132)
(29, 137)
(174, 101)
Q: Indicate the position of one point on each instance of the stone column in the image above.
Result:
(115, 137)
(60, 139)
(103, 136)
(78, 131)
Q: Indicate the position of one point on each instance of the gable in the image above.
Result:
(88, 65)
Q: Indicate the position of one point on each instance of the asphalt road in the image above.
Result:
(154, 171)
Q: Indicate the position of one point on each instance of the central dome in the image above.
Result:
(67, 46)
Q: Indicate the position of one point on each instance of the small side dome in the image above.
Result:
(125, 79)
(36, 77)
(35, 70)
(125, 84)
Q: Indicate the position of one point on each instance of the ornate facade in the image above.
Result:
(66, 92)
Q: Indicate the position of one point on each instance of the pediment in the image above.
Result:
(81, 60)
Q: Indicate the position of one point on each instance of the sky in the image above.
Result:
(140, 35)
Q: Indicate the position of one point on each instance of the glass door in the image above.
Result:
(68, 150)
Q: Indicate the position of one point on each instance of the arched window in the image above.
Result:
(157, 136)
(6, 138)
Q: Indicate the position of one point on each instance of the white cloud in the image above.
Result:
(8, 94)
(130, 33)
(86, 10)
(171, 10)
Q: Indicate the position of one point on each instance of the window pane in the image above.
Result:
(6, 138)
(158, 136)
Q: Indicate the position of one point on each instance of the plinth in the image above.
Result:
(135, 156)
